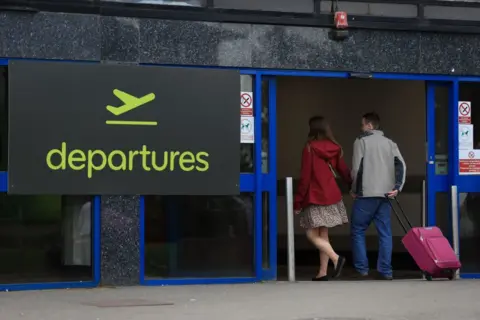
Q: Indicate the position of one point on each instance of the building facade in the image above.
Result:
(432, 42)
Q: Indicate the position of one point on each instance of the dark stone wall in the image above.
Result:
(88, 37)
(50, 36)
(120, 240)
(114, 39)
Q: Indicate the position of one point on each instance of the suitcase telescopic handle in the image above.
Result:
(389, 199)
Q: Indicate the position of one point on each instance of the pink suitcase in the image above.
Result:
(429, 248)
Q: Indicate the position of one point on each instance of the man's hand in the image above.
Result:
(393, 193)
(353, 195)
(297, 211)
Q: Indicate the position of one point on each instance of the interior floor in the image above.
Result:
(306, 273)
(307, 265)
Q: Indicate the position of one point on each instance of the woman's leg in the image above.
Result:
(322, 244)
(323, 232)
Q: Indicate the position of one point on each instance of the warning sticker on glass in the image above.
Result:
(469, 162)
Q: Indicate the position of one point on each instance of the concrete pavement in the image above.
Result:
(335, 300)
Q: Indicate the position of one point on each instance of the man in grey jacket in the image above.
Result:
(378, 169)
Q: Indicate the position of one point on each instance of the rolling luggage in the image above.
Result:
(428, 247)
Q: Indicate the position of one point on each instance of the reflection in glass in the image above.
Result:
(442, 207)
(265, 231)
(441, 130)
(470, 91)
(265, 100)
(3, 119)
(246, 158)
(76, 226)
(296, 6)
(45, 239)
(469, 206)
(187, 3)
(199, 236)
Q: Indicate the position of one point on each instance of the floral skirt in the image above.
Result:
(315, 216)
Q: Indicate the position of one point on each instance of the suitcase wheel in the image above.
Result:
(451, 275)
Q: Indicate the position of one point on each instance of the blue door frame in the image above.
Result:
(464, 183)
(257, 183)
(444, 183)
(435, 183)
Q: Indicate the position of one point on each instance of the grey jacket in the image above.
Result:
(378, 166)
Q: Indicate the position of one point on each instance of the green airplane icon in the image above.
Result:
(130, 102)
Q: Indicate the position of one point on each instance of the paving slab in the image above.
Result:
(334, 300)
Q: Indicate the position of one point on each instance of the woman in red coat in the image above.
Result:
(318, 199)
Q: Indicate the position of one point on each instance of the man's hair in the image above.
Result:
(373, 119)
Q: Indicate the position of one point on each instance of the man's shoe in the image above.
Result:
(360, 276)
(384, 277)
(324, 278)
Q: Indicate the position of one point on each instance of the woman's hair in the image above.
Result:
(320, 130)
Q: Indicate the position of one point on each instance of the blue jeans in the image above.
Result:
(366, 210)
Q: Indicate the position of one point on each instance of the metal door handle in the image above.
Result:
(424, 203)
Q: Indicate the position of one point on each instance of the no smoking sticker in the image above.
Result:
(464, 112)
(246, 100)
(246, 103)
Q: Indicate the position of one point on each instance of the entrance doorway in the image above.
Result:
(403, 109)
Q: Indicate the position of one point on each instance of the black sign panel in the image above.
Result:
(78, 128)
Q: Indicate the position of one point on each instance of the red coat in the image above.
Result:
(317, 182)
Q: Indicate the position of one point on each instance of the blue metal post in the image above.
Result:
(272, 172)
(258, 175)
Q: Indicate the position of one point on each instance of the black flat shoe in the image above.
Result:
(339, 267)
(324, 278)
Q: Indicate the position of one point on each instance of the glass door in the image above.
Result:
(467, 175)
(269, 178)
(221, 239)
(437, 156)
(218, 239)
(263, 180)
